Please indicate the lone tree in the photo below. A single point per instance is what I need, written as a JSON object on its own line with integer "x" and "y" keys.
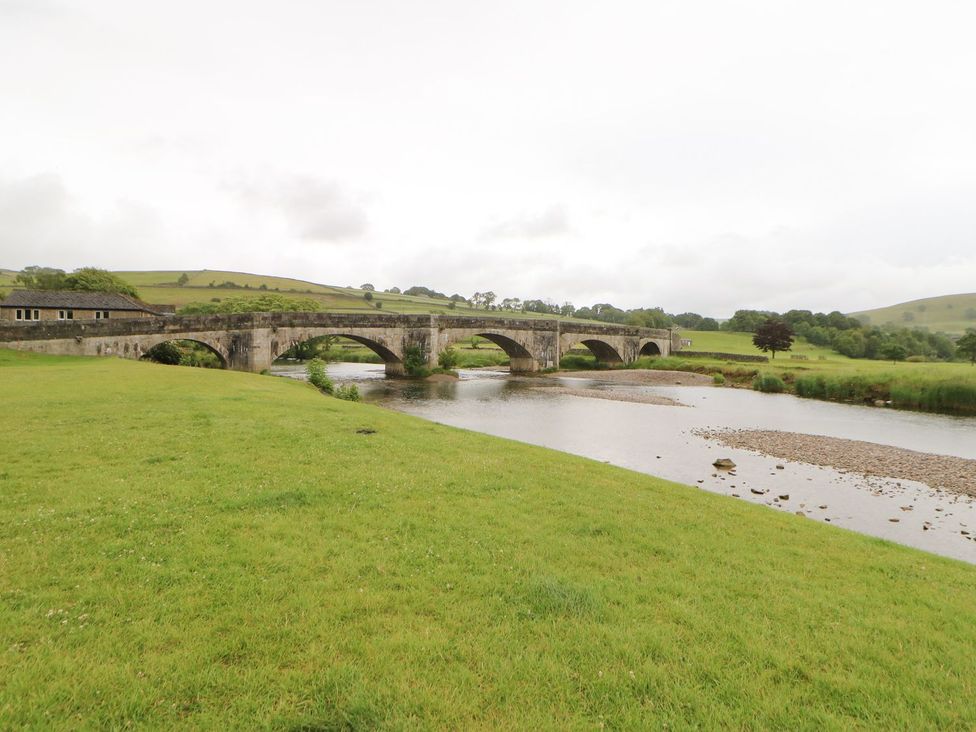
{"x": 894, "y": 352}
{"x": 773, "y": 335}
{"x": 966, "y": 346}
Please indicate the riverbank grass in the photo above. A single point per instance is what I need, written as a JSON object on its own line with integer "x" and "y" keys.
{"x": 193, "y": 548}
{"x": 934, "y": 386}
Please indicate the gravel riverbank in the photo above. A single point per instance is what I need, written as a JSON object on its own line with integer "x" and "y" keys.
{"x": 954, "y": 474}
{"x": 641, "y": 377}
{"x": 614, "y": 396}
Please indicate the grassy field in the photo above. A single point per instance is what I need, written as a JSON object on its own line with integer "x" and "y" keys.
{"x": 724, "y": 342}
{"x": 824, "y": 374}
{"x": 949, "y": 313}
{"x": 208, "y": 549}
{"x": 817, "y": 357}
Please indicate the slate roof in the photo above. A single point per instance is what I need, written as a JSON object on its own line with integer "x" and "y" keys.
{"x": 75, "y": 299}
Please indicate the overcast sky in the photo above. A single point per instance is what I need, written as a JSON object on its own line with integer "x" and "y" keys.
{"x": 696, "y": 155}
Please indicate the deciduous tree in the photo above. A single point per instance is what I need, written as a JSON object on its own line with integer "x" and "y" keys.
{"x": 966, "y": 346}
{"x": 773, "y": 335}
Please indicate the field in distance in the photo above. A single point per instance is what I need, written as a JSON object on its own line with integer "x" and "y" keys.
{"x": 951, "y": 314}
{"x": 204, "y": 285}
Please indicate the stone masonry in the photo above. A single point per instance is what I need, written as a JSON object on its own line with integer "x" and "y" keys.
{"x": 252, "y": 341}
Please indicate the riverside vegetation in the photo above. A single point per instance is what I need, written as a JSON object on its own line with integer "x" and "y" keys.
{"x": 816, "y": 372}
{"x": 214, "y": 549}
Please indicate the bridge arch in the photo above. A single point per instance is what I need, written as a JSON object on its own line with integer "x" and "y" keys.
{"x": 604, "y": 352}
{"x": 136, "y": 347}
{"x": 520, "y": 358}
{"x": 145, "y": 345}
{"x": 285, "y": 339}
{"x": 650, "y": 348}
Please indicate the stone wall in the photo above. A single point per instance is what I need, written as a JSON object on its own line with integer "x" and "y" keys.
{"x": 724, "y": 356}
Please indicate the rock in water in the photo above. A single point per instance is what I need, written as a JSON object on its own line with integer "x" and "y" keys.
{"x": 724, "y": 464}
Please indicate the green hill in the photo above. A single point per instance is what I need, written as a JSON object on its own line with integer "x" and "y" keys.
{"x": 205, "y": 285}
{"x": 951, "y": 314}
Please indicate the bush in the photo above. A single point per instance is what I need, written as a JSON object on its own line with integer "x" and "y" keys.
{"x": 940, "y": 396}
{"x": 843, "y": 387}
{"x": 349, "y": 392}
{"x": 184, "y": 353}
{"x": 448, "y": 359}
{"x": 768, "y": 383}
{"x": 315, "y": 369}
{"x": 268, "y": 303}
{"x": 573, "y": 361}
{"x": 167, "y": 353}
{"x": 414, "y": 363}
{"x": 810, "y": 386}
{"x": 718, "y": 379}
{"x": 483, "y": 357}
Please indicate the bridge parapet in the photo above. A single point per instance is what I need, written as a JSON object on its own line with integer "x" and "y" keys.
{"x": 251, "y": 341}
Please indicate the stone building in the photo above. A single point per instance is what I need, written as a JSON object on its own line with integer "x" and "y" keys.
{"x": 28, "y": 306}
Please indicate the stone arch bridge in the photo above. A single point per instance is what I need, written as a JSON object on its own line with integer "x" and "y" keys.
{"x": 252, "y": 341}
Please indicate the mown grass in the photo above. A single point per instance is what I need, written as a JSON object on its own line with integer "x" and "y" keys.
{"x": 189, "y": 548}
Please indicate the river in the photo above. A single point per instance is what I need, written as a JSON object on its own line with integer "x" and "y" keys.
{"x": 660, "y": 440}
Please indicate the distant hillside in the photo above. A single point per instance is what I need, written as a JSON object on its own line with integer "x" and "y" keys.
{"x": 206, "y": 285}
{"x": 950, "y": 314}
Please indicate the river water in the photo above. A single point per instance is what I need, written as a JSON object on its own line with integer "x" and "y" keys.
{"x": 660, "y": 440}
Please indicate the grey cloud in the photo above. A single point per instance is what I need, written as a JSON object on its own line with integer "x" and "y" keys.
{"x": 41, "y": 223}
{"x": 551, "y": 222}
{"x": 316, "y": 210}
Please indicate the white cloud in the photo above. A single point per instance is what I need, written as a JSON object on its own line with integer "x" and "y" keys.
{"x": 41, "y": 223}
{"x": 316, "y": 210}
{"x": 551, "y": 222}
{"x": 772, "y": 154}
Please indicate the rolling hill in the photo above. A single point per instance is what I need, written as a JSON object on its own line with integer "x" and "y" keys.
{"x": 205, "y": 285}
{"x": 951, "y": 314}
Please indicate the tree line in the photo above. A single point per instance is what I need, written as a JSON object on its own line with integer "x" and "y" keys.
{"x": 849, "y": 336}
{"x": 90, "y": 279}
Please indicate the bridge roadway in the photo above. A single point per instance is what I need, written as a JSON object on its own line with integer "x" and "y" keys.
{"x": 252, "y": 341}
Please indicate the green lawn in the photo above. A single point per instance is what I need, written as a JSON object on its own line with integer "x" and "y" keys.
{"x": 208, "y": 549}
